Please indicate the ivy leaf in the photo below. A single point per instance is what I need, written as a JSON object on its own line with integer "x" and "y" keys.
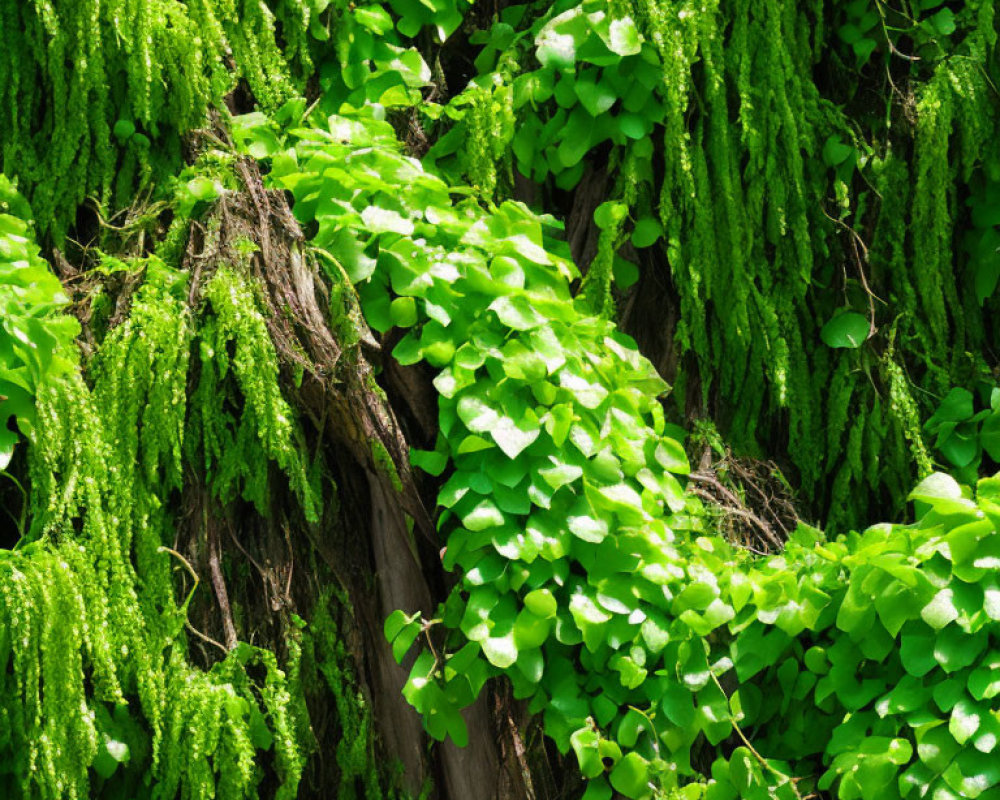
{"x": 989, "y": 435}
{"x": 972, "y": 773}
{"x": 384, "y": 220}
{"x": 623, "y": 37}
{"x": 646, "y": 232}
{"x": 596, "y": 96}
{"x": 631, "y": 776}
{"x": 585, "y": 744}
{"x": 944, "y": 22}
{"x": 624, "y": 272}
{"x": 517, "y": 313}
{"x": 609, "y": 213}
{"x": 109, "y": 756}
{"x": 940, "y": 611}
{"x": 512, "y": 437}
{"x": 484, "y": 515}
{"x": 848, "y": 330}
{"x": 557, "y": 42}
{"x": 587, "y": 528}
{"x": 965, "y": 719}
{"x": 501, "y": 651}
{"x": 956, "y": 407}
{"x": 835, "y": 152}
{"x": 403, "y": 312}
{"x": 597, "y": 789}
{"x": 476, "y": 414}
{"x": 541, "y": 603}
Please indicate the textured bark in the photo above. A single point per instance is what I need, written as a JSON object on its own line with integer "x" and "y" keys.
{"x": 351, "y": 419}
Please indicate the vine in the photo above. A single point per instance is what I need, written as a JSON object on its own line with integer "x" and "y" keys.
{"x": 585, "y": 576}
{"x": 751, "y": 154}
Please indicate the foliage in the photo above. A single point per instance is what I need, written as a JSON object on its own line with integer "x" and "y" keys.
{"x": 811, "y": 243}
{"x": 775, "y": 206}
{"x": 35, "y": 340}
{"x": 236, "y": 452}
{"x": 584, "y": 575}
{"x": 964, "y": 435}
{"x": 96, "y": 94}
{"x": 97, "y": 693}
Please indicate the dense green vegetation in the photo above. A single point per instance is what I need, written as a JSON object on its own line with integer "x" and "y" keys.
{"x": 325, "y": 265}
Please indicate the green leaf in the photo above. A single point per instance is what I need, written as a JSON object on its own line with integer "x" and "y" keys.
{"x": 484, "y": 515}
{"x": 624, "y": 272}
{"x": 513, "y": 438}
{"x": 935, "y": 487}
{"x": 476, "y": 414}
{"x": 631, "y": 776}
{"x": 404, "y": 641}
{"x": 610, "y": 213}
{"x": 202, "y": 189}
{"x": 647, "y": 232}
{"x": 944, "y": 22}
{"x": 517, "y": 312}
{"x": 956, "y": 407}
{"x": 530, "y": 631}
{"x": 395, "y": 623}
{"x": 972, "y": 773}
{"x": 585, "y": 744}
{"x": 836, "y": 152}
{"x": 541, "y": 602}
{"x": 384, "y": 220}
{"x": 623, "y": 37}
{"x": 632, "y": 125}
{"x": 501, "y": 651}
{"x": 596, "y": 96}
{"x": 403, "y": 311}
{"x": 848, "y": 330}
{"x": 916, "y": 651}
{"x": 587, "y": 528}
{"x": 554, "y": 48}
{"x": 597, "y": 789}
{"x": 941, "y": 610}
{"x": 110, "y": 754}
{"x": 374, "y": 18}
{"x": 965, "y": 720}
{"x": 124, "y": 128}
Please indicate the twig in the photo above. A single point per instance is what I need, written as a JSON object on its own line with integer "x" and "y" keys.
{"x": 219, "y": 582}
{"x": 736, "y": 506}
{"x": 888, "y": 40}
{"x": 194, "y": 576}
{"x": 856, "y": 241}
{"x": 763, "y": 761}
{"x": 24, "y": 502}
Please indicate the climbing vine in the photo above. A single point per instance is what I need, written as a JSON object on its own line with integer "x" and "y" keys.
{"x": 777, "y": 206}
{"x": 833, "y": 266}
{"x": 585, "y": 575}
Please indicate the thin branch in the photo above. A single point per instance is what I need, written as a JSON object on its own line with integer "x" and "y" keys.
{"x": 194, "y": 576}
{"x": 763, "y": 761}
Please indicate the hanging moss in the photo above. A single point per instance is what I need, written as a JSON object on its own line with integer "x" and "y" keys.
{"x": 97, "y": 693}
{"x": 234, "y": 445}
{"x": 97, "y": 92}
{"x": 327, "y": 660}
{"x": 783, "y": 200}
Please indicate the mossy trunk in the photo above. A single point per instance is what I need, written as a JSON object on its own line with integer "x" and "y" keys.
{"x": 373, "y": 549}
